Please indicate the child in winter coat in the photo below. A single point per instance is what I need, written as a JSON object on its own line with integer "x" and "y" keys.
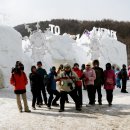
{"x": 19, "y": 81}
{"x": 109, "y": 83}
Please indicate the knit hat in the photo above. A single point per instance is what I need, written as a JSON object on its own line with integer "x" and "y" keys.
{"x": 88, "y": 64}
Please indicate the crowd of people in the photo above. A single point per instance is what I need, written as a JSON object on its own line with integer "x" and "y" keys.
{"x": 67, "y": 80}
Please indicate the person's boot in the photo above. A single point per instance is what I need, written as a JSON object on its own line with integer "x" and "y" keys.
{"x": 110, "y": 104}
{"x": 28, "y": 111}
{"x": 67, "y": 101}
{"x": 33, "y": 107}
{"x": 49, "y": 107}
{"x": 124, "y": 91}
{"x": 100, "y": 103}
{"x": 61, "y": 110}
{"x": 55, "y": 104}
{"x": 78, "y": 108}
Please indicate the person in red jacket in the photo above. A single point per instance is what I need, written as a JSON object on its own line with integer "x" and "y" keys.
{"x": 79, "y": 82}
{"x": 109, "y": 83}
{"x": 19, "y": 81}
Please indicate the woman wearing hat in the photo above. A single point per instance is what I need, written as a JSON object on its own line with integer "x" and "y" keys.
{"x": 19, "y": 81}
{"x": 90, "y": 76}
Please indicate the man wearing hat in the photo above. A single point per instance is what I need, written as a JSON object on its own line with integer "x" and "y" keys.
{"x": 68, "y": 79}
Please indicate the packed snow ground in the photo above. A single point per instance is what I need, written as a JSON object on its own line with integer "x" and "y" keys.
{"x": 95, "y": 117}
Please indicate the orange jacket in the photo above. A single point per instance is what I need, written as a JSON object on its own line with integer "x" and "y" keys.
{"x": 19, "y": 81}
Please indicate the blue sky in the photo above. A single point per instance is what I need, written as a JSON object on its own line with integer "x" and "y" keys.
{"x": 14, "y": 12}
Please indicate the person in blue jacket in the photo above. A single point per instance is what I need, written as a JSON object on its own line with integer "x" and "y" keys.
{"x": 118, "y": 79}
{"x": 51, "y": 88}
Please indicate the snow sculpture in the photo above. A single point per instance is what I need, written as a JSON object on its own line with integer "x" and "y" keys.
{"x": 38, "y": 45}
{"x": 102, "y": 44}
{"x": 28, "y": 29}
{"x": 94, "y": 48}
{"x": 10, "y": 51}
{"x": 37, "y": 26}
{"x": 1, "y": 79}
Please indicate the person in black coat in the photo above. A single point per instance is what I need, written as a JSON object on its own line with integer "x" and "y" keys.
{"x": 98, "y": 82}
{"x": 42, "y": 72}
{"x": 35, "y": 82}
{"x": 124, "y": 77}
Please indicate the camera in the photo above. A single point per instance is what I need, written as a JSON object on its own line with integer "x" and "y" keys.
{"x": 71, "y": 86}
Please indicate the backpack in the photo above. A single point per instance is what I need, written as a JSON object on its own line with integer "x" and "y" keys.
{"x": 109, "y": 81}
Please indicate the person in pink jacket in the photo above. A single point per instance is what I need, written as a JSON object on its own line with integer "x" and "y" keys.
{"x": 90, "y": 76}
{"x": 109, "y": 83}
{"x": 129, "y": 71}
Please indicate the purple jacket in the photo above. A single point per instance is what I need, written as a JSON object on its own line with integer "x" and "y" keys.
{"x": 109, "y": 79}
